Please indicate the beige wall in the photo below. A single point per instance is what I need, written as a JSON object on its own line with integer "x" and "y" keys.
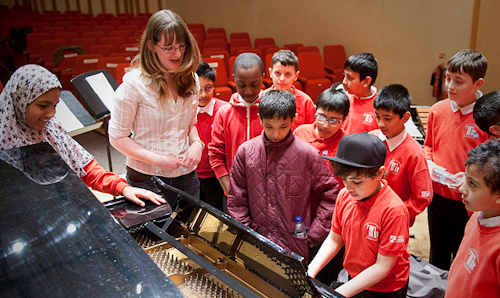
{"x": 405, "y": 36}
{"x": 488, "y": 42}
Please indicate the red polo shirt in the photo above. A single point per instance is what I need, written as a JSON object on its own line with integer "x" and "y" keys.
{"x": 406, "y": 172}
{"x": 378, "y": 225}
{"x": 475, "y": 271}
{"x": 326, "y": 147}
{"x": 361, "y": 117}
{"x": 451, "y": 134}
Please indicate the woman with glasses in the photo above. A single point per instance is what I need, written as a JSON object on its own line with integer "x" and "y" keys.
{"x": 154, "y": 112}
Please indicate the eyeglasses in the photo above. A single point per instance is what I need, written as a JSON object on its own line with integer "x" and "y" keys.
{"x": 324, "y": 119}
{"x": 171, "y": 48}
{"x": 207, "y": 89}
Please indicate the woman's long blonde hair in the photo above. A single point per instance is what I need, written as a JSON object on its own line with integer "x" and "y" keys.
{"x": 168, "y": 24}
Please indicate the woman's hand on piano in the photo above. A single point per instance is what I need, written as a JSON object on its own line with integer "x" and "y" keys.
{"x": 134, "y": 194}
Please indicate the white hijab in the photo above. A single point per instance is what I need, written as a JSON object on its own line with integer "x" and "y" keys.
{"x": 25, "y": 85}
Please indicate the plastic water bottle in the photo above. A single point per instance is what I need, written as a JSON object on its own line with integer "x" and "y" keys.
{"x": 300, "y": 228}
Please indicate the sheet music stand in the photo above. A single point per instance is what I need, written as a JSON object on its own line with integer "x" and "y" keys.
{"x": 74, "y": 118}
{"x": 93, "y": 89}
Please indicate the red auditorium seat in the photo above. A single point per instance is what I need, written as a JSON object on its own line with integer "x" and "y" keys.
{"x": 307, "y": 49}
{"x": 264, "y": 43}
{"x": 293, "y": 47}
{"x": 334, "y": 61}
{"x": 239, "y": 35}
{"x": 312, "y": 73}
{"x": 215, "y": 53}
{"x": 216, "y": 44}
{"x": 216, "y": 33}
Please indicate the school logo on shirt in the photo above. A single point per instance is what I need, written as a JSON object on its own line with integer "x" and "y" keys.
{"x": 373, "y": 231}
{"x": 368, "y": 118}
{"x": 470, "y": 132}
{"x": 324, "y": 152}
{"x": 394, "y": 167}
{"x": 472, "y": 260}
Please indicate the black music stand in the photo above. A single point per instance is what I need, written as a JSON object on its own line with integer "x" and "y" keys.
{"x": 73, "y": 117}
{"x": 96, "y": 89}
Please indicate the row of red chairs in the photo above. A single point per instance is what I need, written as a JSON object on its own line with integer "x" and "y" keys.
{"x": 314, "y": 76}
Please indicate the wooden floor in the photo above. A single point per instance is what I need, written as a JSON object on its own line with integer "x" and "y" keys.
{"x": 419, "y": 245}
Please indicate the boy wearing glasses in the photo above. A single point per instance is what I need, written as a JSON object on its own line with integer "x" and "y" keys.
{"x": 210, "y": 189}
{"x": 406, "y": 169}
{"x": 284, "y": 72}
{"x": 332, "y": 106}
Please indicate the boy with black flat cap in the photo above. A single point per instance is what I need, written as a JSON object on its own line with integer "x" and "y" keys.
{"x": 370, "y": 220}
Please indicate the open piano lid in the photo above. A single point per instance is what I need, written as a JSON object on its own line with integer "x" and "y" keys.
{"x": 236, "y": 244}
{"x": 57, "y": 240}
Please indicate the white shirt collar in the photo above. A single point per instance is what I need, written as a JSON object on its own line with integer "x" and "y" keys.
{"x": 393, "y": 142}
{"x": 373, "y": 90}
{"x": 209, "y": 108}
{"x": 488, "y": 222}
{"x": 468, "y": 108}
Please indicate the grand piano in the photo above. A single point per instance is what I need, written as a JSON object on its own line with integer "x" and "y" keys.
{"x": 57, "y": 240}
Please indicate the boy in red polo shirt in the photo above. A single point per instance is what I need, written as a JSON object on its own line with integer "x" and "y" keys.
{"x": 284, "y": 71}
{"x": 210, "y": 189}
{"x": 360, "y": 73}
{"x": 487, "y": 113}
{"x": 451, "y": 133}
{"x": 475, "y": 271}
{"x": 406, "y": 169}
{"x": 370, "y": 220}
{"x": 237, "y": 122}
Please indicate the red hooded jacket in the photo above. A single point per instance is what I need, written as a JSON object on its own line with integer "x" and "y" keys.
{"x": 233, "y": 125}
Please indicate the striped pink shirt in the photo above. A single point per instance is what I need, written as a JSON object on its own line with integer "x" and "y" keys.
{"x": 161, "y": 127}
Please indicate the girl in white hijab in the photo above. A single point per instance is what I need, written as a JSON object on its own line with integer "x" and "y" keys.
{"x": 27, "y": 108}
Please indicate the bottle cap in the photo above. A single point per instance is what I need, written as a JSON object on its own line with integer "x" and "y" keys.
{"x": 298, "y": 218}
